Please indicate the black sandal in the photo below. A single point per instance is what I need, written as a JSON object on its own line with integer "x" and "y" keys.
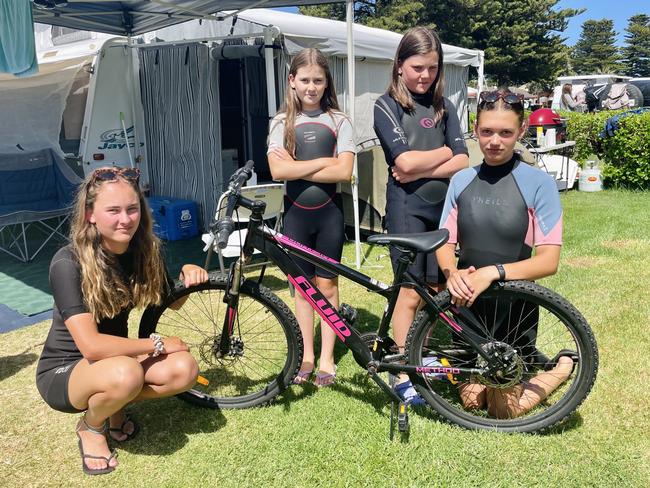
{"x": 120, "y": 429}
{"x": 84, "y": 456}
{"x": 551, "y": 363}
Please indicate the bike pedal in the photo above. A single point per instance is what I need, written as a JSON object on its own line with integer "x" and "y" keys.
{"x": 348, "y": 312}
{"x": 402, "y": 417}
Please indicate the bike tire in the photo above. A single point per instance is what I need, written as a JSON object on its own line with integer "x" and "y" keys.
{"x": 559, "y": 326}
{"x": 269, "y": 343}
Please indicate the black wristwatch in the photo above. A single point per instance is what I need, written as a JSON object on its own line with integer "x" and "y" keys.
{"x": 502, "y": 272}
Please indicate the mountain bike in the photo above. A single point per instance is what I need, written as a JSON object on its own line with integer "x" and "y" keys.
{"x": 249, "y": 347}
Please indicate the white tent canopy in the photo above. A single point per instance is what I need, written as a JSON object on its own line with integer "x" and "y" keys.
{"x": 374, "y": 50}
{"x": 301, "y": 31}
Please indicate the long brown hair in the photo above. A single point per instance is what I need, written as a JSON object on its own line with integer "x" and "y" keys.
{"x": 104, "y": 289}
{"x": 292, "y": 105}
{"x": 418, "y": 41}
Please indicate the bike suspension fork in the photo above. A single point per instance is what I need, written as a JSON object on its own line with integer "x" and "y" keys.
{"x": 231, "y": 299}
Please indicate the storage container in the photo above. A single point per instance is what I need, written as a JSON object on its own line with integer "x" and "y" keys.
{"x": 174, "y": 218}
{"x": 590, "y": 179}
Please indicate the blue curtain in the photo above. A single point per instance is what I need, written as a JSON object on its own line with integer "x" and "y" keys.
{"x": 17, "y": 46}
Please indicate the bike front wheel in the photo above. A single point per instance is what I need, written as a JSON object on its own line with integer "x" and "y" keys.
{"x": 531, "y": 328}
{"x": 265, "y": 347}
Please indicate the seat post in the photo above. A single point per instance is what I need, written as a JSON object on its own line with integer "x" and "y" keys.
{"x": 405, "y": 258}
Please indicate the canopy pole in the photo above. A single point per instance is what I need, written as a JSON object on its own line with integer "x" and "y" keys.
{"x": 481, "y": 74}
{"x": 134, "y": 83}
{"x": 349, "y": 19}
{"x": 270, "y": 33}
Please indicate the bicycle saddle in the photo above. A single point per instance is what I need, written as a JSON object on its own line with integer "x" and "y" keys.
{"x": 420, "y": 242}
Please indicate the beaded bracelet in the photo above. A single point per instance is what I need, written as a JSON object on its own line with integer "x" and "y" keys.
{"x": 158, "y": 346}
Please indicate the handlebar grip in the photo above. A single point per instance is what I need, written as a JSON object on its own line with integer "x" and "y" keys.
{"x": 224, "y": 228}
{"x": 242, "y": 175}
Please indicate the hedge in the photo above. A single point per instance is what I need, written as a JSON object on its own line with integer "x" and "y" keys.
{"x": 626, "y": 154}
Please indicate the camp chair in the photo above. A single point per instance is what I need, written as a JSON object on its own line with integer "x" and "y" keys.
{"x": 36, "y": 192}
{"x": 272, "y": 194}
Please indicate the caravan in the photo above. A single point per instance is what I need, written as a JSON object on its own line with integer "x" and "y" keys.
{"x": 191, "y": 102}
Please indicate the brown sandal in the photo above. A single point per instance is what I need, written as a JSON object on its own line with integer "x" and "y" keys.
{"x": 84, "y": 456}
{"x": 120, "y": 430}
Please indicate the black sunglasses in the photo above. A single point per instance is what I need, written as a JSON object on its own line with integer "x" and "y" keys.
{"x": 111, "y": 174}
{"x": 509, "y": 98}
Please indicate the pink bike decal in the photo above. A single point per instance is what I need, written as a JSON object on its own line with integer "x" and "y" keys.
{"x": 321, "y": 305}
{"x": 287, "y": 241}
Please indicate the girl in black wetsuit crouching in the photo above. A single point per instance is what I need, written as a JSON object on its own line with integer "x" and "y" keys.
{"x": 311, "y": 147}
{"x": 421, "y": 137}
{"x": 496, "y": 214}
{"x": 88, "y": 363}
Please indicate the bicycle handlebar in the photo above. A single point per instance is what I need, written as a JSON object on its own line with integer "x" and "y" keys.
{"x": 225, "y": 226}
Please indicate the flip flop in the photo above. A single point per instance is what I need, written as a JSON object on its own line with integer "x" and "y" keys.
{"x": 302, "y": 377}
{"x": 323, "y": 380}
{"x": 84, "y": 456}
{"x": 563, "y": 352}
{"x": 120, "y": 429}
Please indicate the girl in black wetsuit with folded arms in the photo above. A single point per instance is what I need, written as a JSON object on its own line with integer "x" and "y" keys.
{"x": 88, "y": 363}
{"x": 420, "y": 133}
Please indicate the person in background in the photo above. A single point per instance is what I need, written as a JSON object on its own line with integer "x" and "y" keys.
{"x": 423, "y": 143}
{"x": 311, "y": 147}
{"x": 567, "y": 102}
{"x": 88, "y": 364}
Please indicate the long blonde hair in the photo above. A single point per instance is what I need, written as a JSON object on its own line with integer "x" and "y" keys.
{"x": 418, "y": 41}
{"x": 105, "y": 292}
{"x": 292, "y": 105}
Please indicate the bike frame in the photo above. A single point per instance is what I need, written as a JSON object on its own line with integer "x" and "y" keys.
{"x": 279, "y": 248}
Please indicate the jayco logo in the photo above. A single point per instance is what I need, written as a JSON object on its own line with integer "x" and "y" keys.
{"x": 427, "y": 123}
{"x": 115, "y": 139}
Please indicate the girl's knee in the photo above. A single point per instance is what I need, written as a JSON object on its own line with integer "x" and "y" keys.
{"x": 182, "y": 370}
{"x": 125, "y": 376}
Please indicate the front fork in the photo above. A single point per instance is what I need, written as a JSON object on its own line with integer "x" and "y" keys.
{"x": 231, "y": 299}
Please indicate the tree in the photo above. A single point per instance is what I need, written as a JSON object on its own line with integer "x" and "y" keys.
{"x": 393, "y": 15}
{"x": 636, "y": 52}
{"x": 521, "y": 38}
{"x": 595, "y": 51}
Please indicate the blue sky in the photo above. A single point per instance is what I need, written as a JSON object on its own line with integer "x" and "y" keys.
{"x": 617, "y": 10}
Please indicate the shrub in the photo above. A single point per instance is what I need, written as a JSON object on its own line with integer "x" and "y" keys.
{"x": 627, "y": 153}
{"x": 585, "y": 129}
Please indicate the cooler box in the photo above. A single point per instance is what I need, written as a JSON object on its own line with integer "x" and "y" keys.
{"x": 174, "y": 219}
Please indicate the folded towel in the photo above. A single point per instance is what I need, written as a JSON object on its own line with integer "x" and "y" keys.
{"x": 17, "y": 45}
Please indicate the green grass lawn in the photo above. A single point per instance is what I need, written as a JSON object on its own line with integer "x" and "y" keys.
{"x": 339, "y": 436}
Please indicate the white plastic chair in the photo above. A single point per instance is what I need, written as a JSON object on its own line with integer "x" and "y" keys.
{"x": 272, "y": 194}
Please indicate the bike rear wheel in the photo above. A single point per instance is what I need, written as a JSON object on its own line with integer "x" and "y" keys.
{"x": 531, "y": 325}
{"x": 265, "y": 347}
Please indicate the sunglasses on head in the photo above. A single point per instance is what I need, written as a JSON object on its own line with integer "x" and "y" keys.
{"x": 111, "y": 174}
{"x": 509, "y": 98}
